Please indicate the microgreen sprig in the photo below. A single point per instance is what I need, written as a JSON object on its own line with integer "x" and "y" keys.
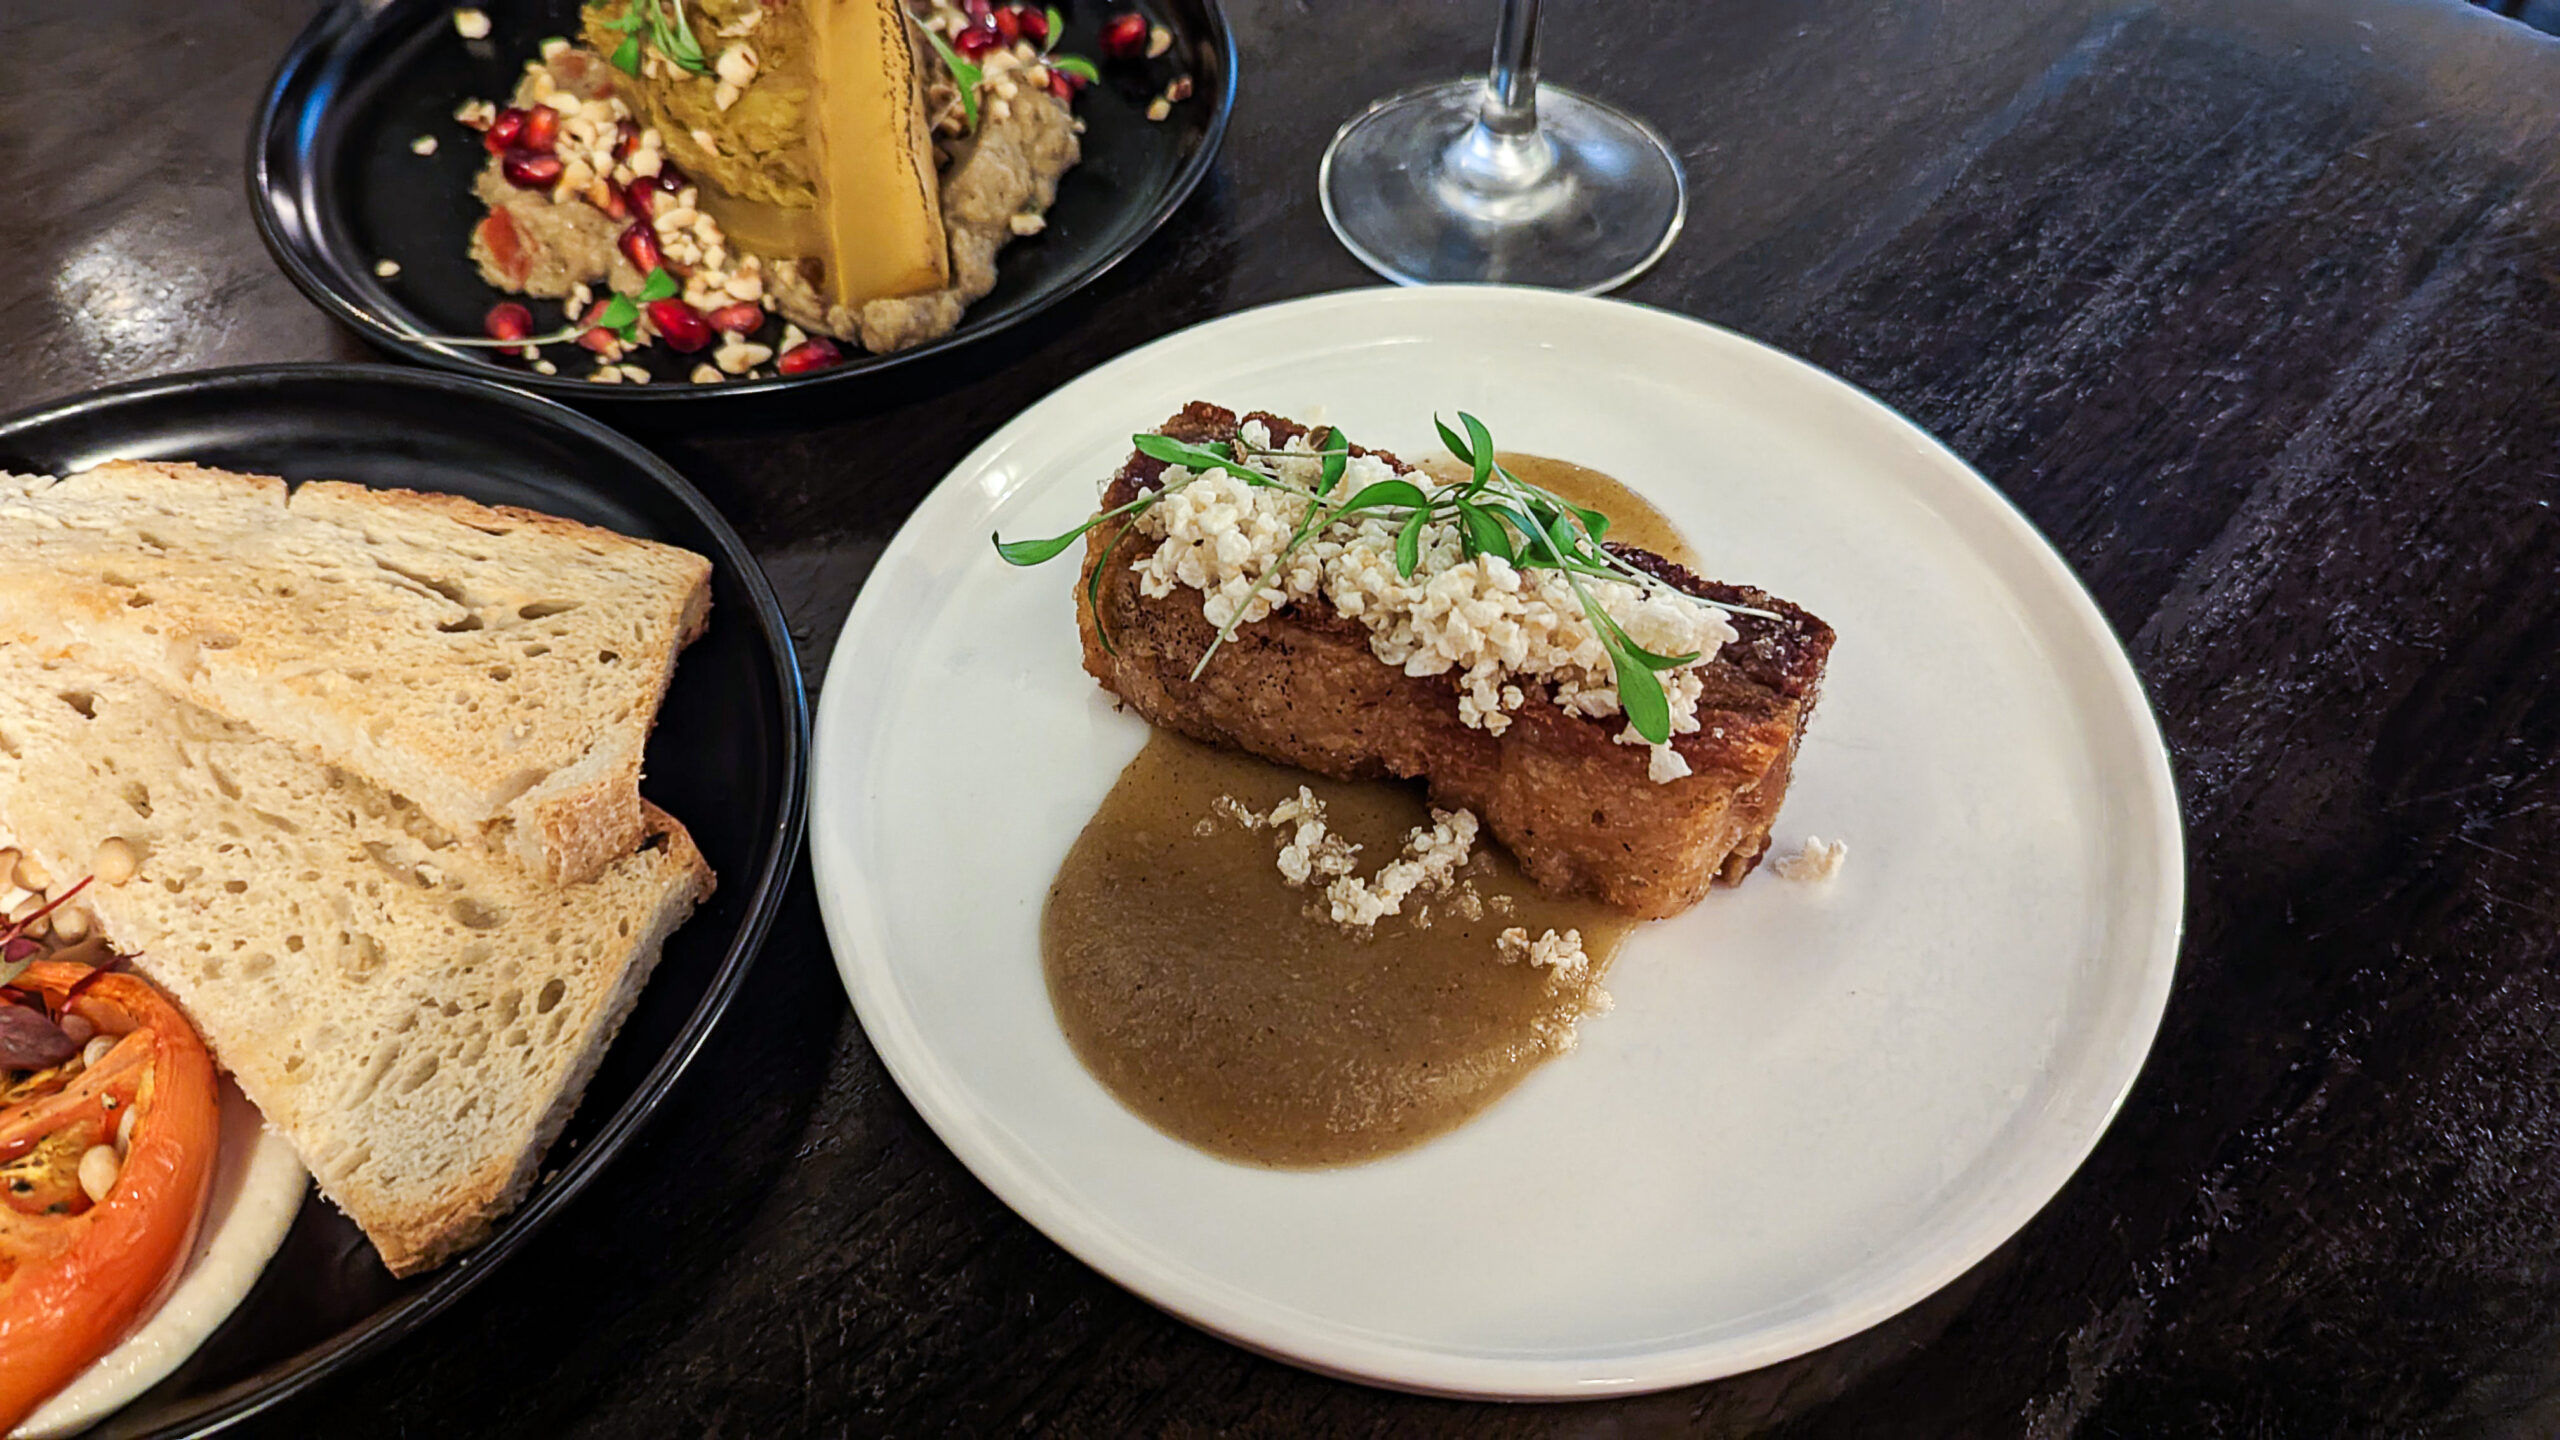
{"x": 650, "y": 21}
{"x": 965, "y": 77}
{"x": 1495, "y": 511}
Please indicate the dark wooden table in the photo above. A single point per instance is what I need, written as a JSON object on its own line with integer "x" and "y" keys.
{"x": 2252, "y": 305}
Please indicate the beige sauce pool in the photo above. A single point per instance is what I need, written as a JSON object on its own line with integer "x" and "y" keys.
{"x": 1228, "y": 1010}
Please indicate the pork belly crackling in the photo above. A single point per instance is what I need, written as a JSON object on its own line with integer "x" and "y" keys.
{"x": 1549, "y": 764}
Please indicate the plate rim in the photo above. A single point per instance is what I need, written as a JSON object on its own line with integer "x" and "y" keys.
{"x": 771, "y": 884}
{"x": 1442, "y": 1373}
{"x": 334, "y": 24}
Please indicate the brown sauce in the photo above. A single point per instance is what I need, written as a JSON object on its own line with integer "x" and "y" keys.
{"x": 1226, "y": 1008}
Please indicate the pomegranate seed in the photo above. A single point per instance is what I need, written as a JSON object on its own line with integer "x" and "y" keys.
{"x": 974, "y": 43}
{"x": 742, "y": 318}
{"x": 808, "y": 355}
{"x": 978, "y": 10}
{"x": 640, "y": 246}
{"x": 1059, "y": 86}
{"x": 1125, "y": 38}
{"x": 645, "y": 193}
{"x": 1008, "y": 24}
{"x": 527, "y": 170}
{"x": 1035, "y": 25}
{"x": 501, "y": 135}
{"x": 617, "y": 202}
{"x": 626, "y": 138}
{"x": 508, "y": 320}
{"x": 541, "y": 129}
{"x": 680, "y": 325}
{"x": 597, "y": 338}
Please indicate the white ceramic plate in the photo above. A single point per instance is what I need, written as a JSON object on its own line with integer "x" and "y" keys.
{"x": 257, "y": 1190}
{"x": 1813, "y": 1105}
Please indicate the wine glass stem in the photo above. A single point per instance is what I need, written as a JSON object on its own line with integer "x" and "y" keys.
{"x": 1503, "y": 157}
{"x": 1511, "y": 88}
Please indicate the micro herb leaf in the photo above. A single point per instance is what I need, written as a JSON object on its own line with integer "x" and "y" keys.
{"x": 1033, "y": 552}
{"x": 1484, "y": 533}
{"x": 1075, "y": 65}
{"x": 1057, "y": 30}
{"x": 1639, "y": 693}
{"x": 626, "y": 56}
{"x": 1480, "y": 441}
{"x": 1409, "y": 543}
{"x": 1337, "y": 459}
{"x": 620, "y": 313}
{"x": 1450, "y": 438}
{"x": 1594, "y": 522}
{"x": 1197, "y": 457}
{"x": 1383, "y": 492}
{"x": 965, "y": 77}
{"x": 659, "y": 286}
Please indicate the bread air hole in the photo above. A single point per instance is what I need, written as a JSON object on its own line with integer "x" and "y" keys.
{"x": 425, "y": 582}
{"x": 549, "y": 997}
{"x": 137, "y": 797}
{"x": 477, "y": 916}
{"x": 462, "y": 626}
{"x": 545, "y": 609}
{"x": 81, "y": 701}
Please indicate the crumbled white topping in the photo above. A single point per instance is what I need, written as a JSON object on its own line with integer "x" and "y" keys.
{"x": 1503, "y": 631}
{"x": 471, "y": 24}
{"x": 1433, "y": 855}
{"x": 1562, "y": 954}
{"x": 1817, "y": 859}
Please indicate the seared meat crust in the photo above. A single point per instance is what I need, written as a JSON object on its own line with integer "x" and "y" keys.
{"x": 1575, "y": 808}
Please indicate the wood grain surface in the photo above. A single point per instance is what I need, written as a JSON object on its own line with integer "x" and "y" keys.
{"x": 2250, "y": 305}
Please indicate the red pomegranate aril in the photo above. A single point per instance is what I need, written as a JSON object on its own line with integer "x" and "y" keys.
{"x": 978, "y": 11}
{"x": 1008, "y": 24}
{"x": 527, "y": 170}
{"x": 1125, "y": 37}
{"x": 680, "y": 325}
{"x": 743, "y": 318}
{"x": 974, "y": 43}
{"x": 639, "y": 245}
{"x": 596, "y": 337}
{"x": 1059, "y": 85}
{"x": 541, "y": 129}
{"x": 808, "y": 355}
{"x": 626, "y": 138}
{"x": 502, "y": 133}
{"x": 508, "y": 320}
{"x": 617, "y": 202}
{"x": 1035, "y": 24}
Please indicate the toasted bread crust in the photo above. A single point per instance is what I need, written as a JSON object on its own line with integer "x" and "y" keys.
{"x": 1575, "y": 808}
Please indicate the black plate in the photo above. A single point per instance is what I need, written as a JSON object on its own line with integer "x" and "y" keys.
{"x": 727, "y": 759}
{"x": 336, "y": 188}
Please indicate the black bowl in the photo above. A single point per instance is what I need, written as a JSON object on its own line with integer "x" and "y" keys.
{"x": 336, "y": 188}
{"x": 728, "y": 759}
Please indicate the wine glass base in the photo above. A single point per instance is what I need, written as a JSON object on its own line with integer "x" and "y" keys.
{"x": 1421, "y": 196}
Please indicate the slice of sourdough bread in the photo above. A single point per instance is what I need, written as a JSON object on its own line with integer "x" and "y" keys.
{"x": 498, "y": 667}
{"x": 417, "y": 1017}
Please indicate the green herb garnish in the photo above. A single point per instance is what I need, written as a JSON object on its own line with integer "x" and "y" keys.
{"x": 1496, "y": 512}
{"x": 662, "y": 24}
{"x": 964, "y": 76}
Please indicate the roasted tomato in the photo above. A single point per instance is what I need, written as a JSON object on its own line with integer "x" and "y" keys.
{"x": 84, "y": 1257}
